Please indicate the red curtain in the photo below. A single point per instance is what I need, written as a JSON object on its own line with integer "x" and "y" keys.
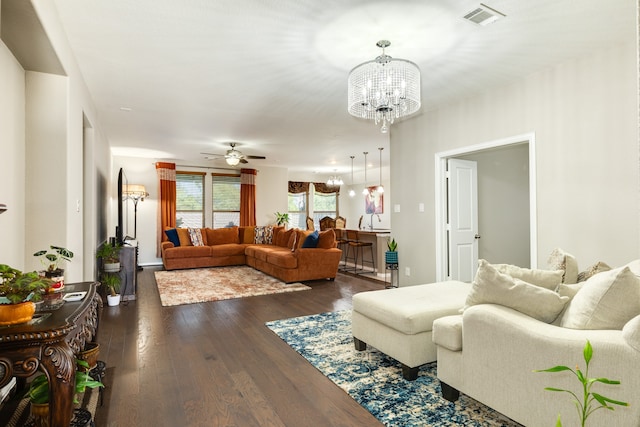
{"x": 167, "y": 206}
{"x": 247, "y": 197}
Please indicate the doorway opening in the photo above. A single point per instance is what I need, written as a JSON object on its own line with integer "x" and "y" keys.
{"x": 518, "y": 210}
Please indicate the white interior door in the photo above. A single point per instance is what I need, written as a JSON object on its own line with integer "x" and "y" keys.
{"x": 462, "y": 206}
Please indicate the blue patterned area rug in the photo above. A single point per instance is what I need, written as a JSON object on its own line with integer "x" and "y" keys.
{"x": 375, "y": 380}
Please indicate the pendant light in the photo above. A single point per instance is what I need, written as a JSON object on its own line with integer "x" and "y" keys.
{"x": 380, "y": 188}
{"x": 351, "y": 192}
{"x": 365, "y": 191}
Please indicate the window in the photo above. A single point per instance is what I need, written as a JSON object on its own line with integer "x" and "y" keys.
{"x": 226, "y": 200}
{"x": 298, "y": 211}
{"x": 189, "y": 199}
{"x": 324, "y": 204}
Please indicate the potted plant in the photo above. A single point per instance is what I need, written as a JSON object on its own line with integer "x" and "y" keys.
{"x": 110, "y": 255}
{"x": 38, "y": 392}
{"x": 112, "y": 282}
{"x": 52, "y": 258}
{"x": 282, "y": 218}
{"x": 391, "y": 256}
{"x": 18, "y": 292}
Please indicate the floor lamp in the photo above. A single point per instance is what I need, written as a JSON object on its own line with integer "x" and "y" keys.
{"x": 137, "y": 193}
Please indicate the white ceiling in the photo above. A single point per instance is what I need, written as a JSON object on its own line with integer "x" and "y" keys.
{"x": 271, "y": 74}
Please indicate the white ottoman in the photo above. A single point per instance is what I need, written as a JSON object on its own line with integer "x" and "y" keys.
{"x": 399, "y": 321}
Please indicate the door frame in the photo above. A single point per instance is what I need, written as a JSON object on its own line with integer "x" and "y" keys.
{"x": 441, "y": 195}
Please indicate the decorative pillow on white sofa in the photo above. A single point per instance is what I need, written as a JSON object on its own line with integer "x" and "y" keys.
{"x": 631, "y": 332}
{"x": 549, "y": 279}
{"x": 607, "y": 300}
{"x": 596, "y": 268}
{"x": 561, "y": 260}
{"x": 492, "y": 287}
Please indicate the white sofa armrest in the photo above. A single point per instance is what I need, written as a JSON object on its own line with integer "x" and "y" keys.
{"x": 502, "y": 348}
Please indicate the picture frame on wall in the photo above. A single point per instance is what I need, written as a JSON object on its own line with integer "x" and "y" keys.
{"x": 374, "y": 201}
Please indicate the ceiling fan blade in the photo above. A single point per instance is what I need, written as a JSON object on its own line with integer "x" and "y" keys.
{"x": 243, "y": 161}
{"x": 212, "y": 154}
{"x": 256, "y": 157}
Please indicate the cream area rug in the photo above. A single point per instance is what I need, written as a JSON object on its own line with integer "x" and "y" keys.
{"x": 179, "y": 287}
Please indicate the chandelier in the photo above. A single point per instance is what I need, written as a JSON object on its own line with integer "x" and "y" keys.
{"x": 335, "y": 180}
{"x": 384, "y": 89}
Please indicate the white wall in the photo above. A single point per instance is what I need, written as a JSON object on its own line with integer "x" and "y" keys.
{"x": 12, "y": 151}
{"x": 585, "y": 116}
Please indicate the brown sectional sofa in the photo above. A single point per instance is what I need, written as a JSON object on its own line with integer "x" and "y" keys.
{"x": 283, "y": 257}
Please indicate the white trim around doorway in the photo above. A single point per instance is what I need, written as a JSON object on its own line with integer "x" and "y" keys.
{"x": 441, "y": 191}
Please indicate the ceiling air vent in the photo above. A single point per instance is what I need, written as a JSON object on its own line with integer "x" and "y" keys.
{"x": 484, "y": 15}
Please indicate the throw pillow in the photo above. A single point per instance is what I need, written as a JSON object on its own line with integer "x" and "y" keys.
{"x": 631, "y": 332}
{"x": 183, "y": 235}
{"x": 327, "y": 239}
{"x": 492, "y": 287}
{"x": 172, "y": 235}
{"x": 222, "y": 236}
{"x": 196, "y": 236}
{"x": 293, "y": 240}
{"x": 247, "y": 234}
{"x": 312, "y": 240}
{"x": 606, "y": 301}
{"x": 282, "y": 238}
{"x": 548, "y": 279}
{"x": 569, "y": 290}
{"x": 596, "y": 268}
{"x": 561, "y": 260}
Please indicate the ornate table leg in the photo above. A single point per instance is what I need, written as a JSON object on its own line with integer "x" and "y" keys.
{"x": 59, "y": 364}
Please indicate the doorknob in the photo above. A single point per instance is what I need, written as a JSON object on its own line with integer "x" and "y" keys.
{"x": 477, "y": 236}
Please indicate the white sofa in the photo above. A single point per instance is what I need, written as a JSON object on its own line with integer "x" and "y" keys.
{"x": 490, "y": 353}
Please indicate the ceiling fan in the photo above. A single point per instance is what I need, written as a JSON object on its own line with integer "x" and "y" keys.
{"x": 232, "y": 156}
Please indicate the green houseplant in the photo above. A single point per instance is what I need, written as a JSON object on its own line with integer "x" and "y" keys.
{"x": 18, "y": 292}
{"x": 38, "y": 391}
{"x": 282, "y": 218}
{"x": 52, "y": 258}
{"x": 391, "y": 256}
{"x": 112, "y": 282}
{"x": 110, "y": 255}
{"x": 590, "y": 401}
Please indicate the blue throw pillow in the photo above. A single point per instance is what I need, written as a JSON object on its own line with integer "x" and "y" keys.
{"x": 312, "y": 240}
{"x": 172, "y": 235}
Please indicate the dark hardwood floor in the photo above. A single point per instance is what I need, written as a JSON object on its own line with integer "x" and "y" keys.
{"x": 217, "y": 364}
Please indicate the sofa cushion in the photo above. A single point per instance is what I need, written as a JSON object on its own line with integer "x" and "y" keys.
{"x": 548, "y": 279}
{"x": 568, "y": 290}
{"x": 631, "y": 332}
{"x": 327, "y": 239}
{"x": 247, "y": 234}
{"x": 172, "y": 235}
{"x": 222, "y": 236}
{"x": 492, "y": 287}
{"x": 607, "y": 300}
{"x": 195, "y": 235}
{"x": 282, "y": 239}
{"x": 311, "y": 241}
{"x": 187, "y": 252}
{"x": 227, "y": 249}
{"x": 183, "y": 236}
{"x": 282, "y": 258}
{"x": 260, "y": 251}
{"x": 596, "y": 268}
{"x": 561, "y": 260}
{"x": 447, "y": 332}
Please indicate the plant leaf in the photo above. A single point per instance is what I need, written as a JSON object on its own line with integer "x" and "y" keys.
{"x": 604, "y": 381}
{"x": 604, "y": 400}
{"x": 554, "y": 369}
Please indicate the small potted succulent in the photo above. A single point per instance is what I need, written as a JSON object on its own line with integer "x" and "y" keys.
{"x": 18, "y": 293}
{"x": 391, "y": 256}
{"x": 109, "y": 253}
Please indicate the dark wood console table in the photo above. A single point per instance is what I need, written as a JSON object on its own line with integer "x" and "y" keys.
{"x": 50, "y": 343}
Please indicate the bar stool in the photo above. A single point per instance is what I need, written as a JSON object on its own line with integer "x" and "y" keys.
{"x": 343, "y": 245}
{"x": 358, "y": 247}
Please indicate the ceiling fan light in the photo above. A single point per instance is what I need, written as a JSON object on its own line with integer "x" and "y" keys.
{"x": 233, "y": 161}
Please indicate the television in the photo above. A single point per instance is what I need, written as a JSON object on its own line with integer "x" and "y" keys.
{"x": 120, "y": 201}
